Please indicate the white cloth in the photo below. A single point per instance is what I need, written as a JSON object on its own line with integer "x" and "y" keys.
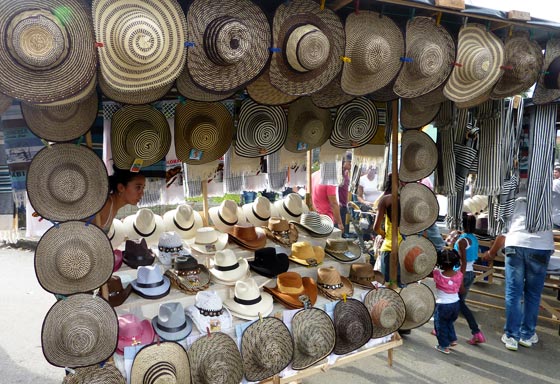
{"x": 518, "y": 236}
{"x": 556, "y": 185}
{"x": 371, "y": 193}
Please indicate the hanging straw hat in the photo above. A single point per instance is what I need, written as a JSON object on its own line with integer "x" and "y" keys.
{"x": 267, "y": 348}
{"x": 547, "y": 88}
{"x": 171, "y": 323}
{"x": 95, "y": 374}
{"x": 364, "y": 275}
{"x": 384, "y": 94}
{"x": 480, "y": 59}
{"x": 355, "y": 124}
{"x": 208, "y": 313}
{"x": 281, "y": 231}
{"x": 203, "y": 132}
{"x": 420, "y": 304}
{"x": 343, "y": 250}
{"x": 332, "y": 284}
{"x": 73, "y": 257}
{"x": 414, "y": 115}
{"x": 226, "y": 215}
{"x": 78, "y": 97}
{"x": 352, "y": 324}
{"x": 134, "y": 98}
{"x": 183, "y": 220}
{"x": 67, "y": 182}
{"x": 78, "y": 331}
{"x": 263, "y": 92}
{"x": 308, "y": 126}
{"x": 387, "y": 311}
{"x": 46, "y": 52}
{"x": 258, "y": 212}
{"x": 311, "y": 41}
{"x": 187, "y": 87}
{"x": 208, "y": 240}
{"x": 304, "y": 253}
{"x": 330, "y": 96}
{"x": 261, "y": 129}
{"x": 417, "y": 258}
{"x": 314, "y": 337}
{"x": 419, "y": 156}
{"x": 133, "y": 331}
{"x": 419, "y": 208}
{"x": 294, "y": 291}
{"x": 248, "y": 300}
{"x": 315, "y": 225}
{"x": 247, "y": 236}
{"x": 435, "y": 97}
{"x": 165, "y": 362}
{"x": 5, "y": 103}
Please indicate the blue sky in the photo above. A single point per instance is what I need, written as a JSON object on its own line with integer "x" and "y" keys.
{"x": 543, "y": 9}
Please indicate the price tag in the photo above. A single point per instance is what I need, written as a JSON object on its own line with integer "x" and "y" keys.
{"x": 136, "y": 165}
{"x": 195, "y": 154}
{"x": 301, "y": 146}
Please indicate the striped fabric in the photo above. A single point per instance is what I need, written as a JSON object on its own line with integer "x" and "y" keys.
{"x": 276, "y": 174}
{"x": 233, "y": 182}
{"x": 444, "y": 177}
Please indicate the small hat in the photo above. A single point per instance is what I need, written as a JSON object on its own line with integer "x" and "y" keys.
{"x": 163, "y": 362}
{"x": 416, "y": 115}
{"x": 291, "y": 207}
{"x": 117, "y": 294}
{"x": 267, "y": 348}
{"x": 332, "y": 284}
{"x": 258, "y": 212}
{"x": 248, "y": 300}
{"x": 139, "y": 132}
{"x": 208, "y": 240}
{"x": 170, "y": 246}
{"x": 294, "y": 291}
{"x": 95, "y": 374}
{"x": 67, "y": 182}
{"x": 314, "y": 337}
{"x": 117, "y": 233}
{"x": 144, "y": 224}
{"x": 355, "y": 124}
{"x": 364, "y": 275}
{"x": 343, "y": 250}
{"x": 228, "y": 267}
{"x": 547, "y": 88}
{"x": 247, "y": 236}
{"x": 308, "y": 126}
{"x": 136, "y": 253}
{"x": 352, "y": 324}
{"x": 305, "y": 254}
{"x": 420, "y": 304}
{"x": 417, "y": 258}
{"x": 315, "y": 224}
{"x": 261, "y": 129}
{"x": 133, "y": 331}
{"x": 183, "y": 220}
{"x": 265, "y": 93}
{"x": 419, "y": 208}
{"x": 215, "y": 359}
{"x": 189, "y": 89}
{"x": 171, "y": 323}
{"x": 226, "y": 215}
{"x": 419, "y": 156}
{"x": 330, "y": 96}
{"x": 188, "y": 275}
{"x": 281, "y": 231}
{"x": 150, "y": 282}
{"x": 78, "y": 331}
{"x": 269, "y": 263}
{"x": 208, "y": 313}
{"x": 387, "y": 311}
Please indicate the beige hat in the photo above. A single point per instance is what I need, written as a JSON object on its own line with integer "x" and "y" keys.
{"x": 308, "y": 126}
{"x": 144, "y": 224}
{"x": 545, "y": 94}
{"x": 187, "y": 87}
{"x": 343, "y": 250}
{"x": 332, "y": 284}
{"x": 215, "y": 359}
{"x": 331, "y": 96}
{"x": 258, "y": 212}
{"x": 162, "y": 362}
{"x": 306, "y": 254}
{"x": 263, "y": 92}
{"x": 419, "y": 156}
{"x": 419, "y": 208}
{"x": 387, "y": 311}
{"x": 208, "y": 240}
{"x": 417, "y": 258}
{"x": 420, "y": 304}
{"x": 415, "y": 115}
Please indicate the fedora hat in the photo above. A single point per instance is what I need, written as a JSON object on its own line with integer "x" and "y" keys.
{"x": 261, "y": 129}
{"x": 294, "y": 291}
{"x": 355, "y": 124}
{"x": 78, "y": 331}
{"x": 387, "y": 311}
{"x": 308, "y": 126}
{"x": 73, "y": 257}
{"x": 330, "y": 96}
{"x": 187, "y": 87}
{"x": 95, "y": 374}
{"x": 429, "y": 56}
{"x": 215, "y": 359}
{"x": 116, "y": 233}
{"x": 415, "y": 115}
{"x": 165, "y": 362}
{"x": 314, "y": 337}
{"x": 171, "y": 323}
{"x": 139, "y": 132}
{"x": 5, "y": 103}
{"x": 315, "y": 224}
{"x": 420, "y": 304}
{"x": 343, "y": 250}
{"x": 291, "y": 207}
{"x": 137, "y": 253}
{"x": 269, "y": 263}
{"x": 258, "y": 212}
{"x": 208, "y": 313}
{"x": 183, "y": 220}
{"x": 419, "y": 156}
{"x": 248, "y": 301}
{"x": 267, "y": 348}
{"x": 364, "y": 275}
{"x": 419, "y": 208}
{"x": 332, "y": 284}
{"x": 281, "y": 231}
{"x": 311, "y": 41}
{"x": 304, "y": 253}
{"x": 375, "y": 45}
{"x": 144, "y": 224}
{"x": 150, "y": 282}
{"x": 226, "y": 215}
{"x": 208, "y": 240}
{"x": 117, "y": 293}
{"x": 247, "y": 236}
{"x": 170, "y": 246}
{"x": 203, "y": 131}
{"x": 231, "y": 43}
{"x": 352, "y": 324}
{"x": 417, "y": 258}
{"x": 263, "y": 92}
{"x": 133, "y": 331}
{"x": 188, "y": 275}
{"x": 479, "y": 63}
{"x": 228, "y": 267}
{"x": 45, "y": 55}
{"x": 547, "y": 88}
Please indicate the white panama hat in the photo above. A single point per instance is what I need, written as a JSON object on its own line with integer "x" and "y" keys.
{"x": 208, "y": 240}
{"x": 144, "y": 224}
{"x": 258, "y": 212}
{"x": 183, "y": 220}
{"x": 226, "y": 215}
{"x": 228, "y": 267}
{"x": 248, "y": 301}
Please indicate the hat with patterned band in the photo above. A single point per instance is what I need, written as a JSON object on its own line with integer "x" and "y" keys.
{"x": 314, "y": 224}
{"x": 263, "y": 92}
{"x": 364, "y": 275}
{"x": 208, "y": 313}
{"x": 183, "y": 220}
{"x": 420, "y": 304}
{"x": 281, "y": 231}
{"x": 95, "y": 374}
{"x": 332, "y": 284}
{"x": 248, "y": 300}
{"x": 170, "y": 246}
{"x": 308, "y": 126}
{"x": 258, "y": 212}
{"x": 208, "y": 240}
{"x": 547, "y": 91}
{"x": 415, "y": 115}
{"x": 419, "y": 208}
{"x": 171, "y": 323}
{"x": 417, "y": 258}
{"x": 355, "y": 124}
{"x": 387, "y": 311}
{"x": 419, "y": 156}
{"x": 161, "y": 362}
{"x": 343, "y": 250}
{"x": 314, "y": 337}
{"x": 291, "y": 207}
{"x": 215, "y": 359}
{"x": 304, "y": 253}
{"x": 331, "y": 96}
{"x": 352, "y": 324}
{"x": 188, "y": 275}
{"x": 294, "y": 291}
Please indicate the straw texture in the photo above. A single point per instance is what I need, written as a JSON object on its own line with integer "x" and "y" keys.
{"x": 419, "y": 156}
{"x": 314, "y": 337}
{"x": 420, "y": 304}
{"x": 414, "y": 115}
{"x": 352, "y": 324}
{"x": 187, "y": 87}
{"x": 315, "y": 224}
{"x": 387, "y": 311}
{"x": 543, "y": 95}
{"x": 136, "y": 97}
{"x": 165, "y": 362}
{"x": 215, "y": 359}
{"x": 331, "y": 95}
{"x": 419, "y": 208}
{"x": 108, "y": 374}
{"x": 263, "y": 92}
{"x": 308, "y": 126}
{"x": 417, "y": 258}
{"x": 355, "y": 124}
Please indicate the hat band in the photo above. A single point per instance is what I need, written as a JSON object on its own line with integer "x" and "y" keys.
{"x": 169, "y": 250}
{"x": 227, "y": 222}
{"x": 144, "y": 234}
{"x": 290, "y": 212}
{"x": 183, "y": 228}
{"x": 258, "y": 216}
{"x": 227, "y": 267}
{"x": 151, "y": 285}
{"x": 112, "y": 236}
{"x": 210, "y": 312}
{"x": 247, "y": 302}
{"x": 329, "y": 286}
{"x": 172, "y": 329}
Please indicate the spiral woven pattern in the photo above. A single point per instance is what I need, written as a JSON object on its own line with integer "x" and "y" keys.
{"x": 314, "y": 337}
{"x": 355, "y": 124}
{"x": 353, "y": 326}
{"x": 420, "y": 304}
{"x": 543, "y": 95}
{"x": 133, "y": 97}
{"x": 387, "y": 311}
{"x": 165, "y": 362}
{"x": 419, "y": 156}
{"x": 317, "y": 225}
{"x": 384, "y": 94}
{"x": 307, "y": 124}
{"x": 419, "y": 208}
{"x": 108, "y": 374}
{"x": 331, "y": 95}
{"x": 263, "y": 92}
{"x": 215, "y": 359}
{"x": 417, "y": 258}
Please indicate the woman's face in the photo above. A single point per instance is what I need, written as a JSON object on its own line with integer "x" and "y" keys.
{"x": 133, "y": 191}
{"x": 371, "y": 173}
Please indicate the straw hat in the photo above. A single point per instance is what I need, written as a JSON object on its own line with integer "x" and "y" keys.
{"x": 291, "y": 207}
{"x": 258, "y": 212}
{"x": 78, "y": 97}
{"x": 308, "y": 126}
{"x": 364, "y": 275}
{"x": 384, "y": 94}
{"x": 139, "y": 132}
{"x": 144, "y": 224}
{"x": 150, "y": 282}
{"x": 312, "y": 41}
{"x": 419, "y": 208}
{"x": 170, "y": 246}
{"x": 45, "y": 54}
{"x": 267, "y": 348}
{"x": 215, "y": 359}
{"x": 314, "y": 337}
{"x": 171, "y": 323}
{"x": 78, "y": 331}
{"x": 117, "y": 233}
{"x": 419, "y": 156}
{"x": 247, "y": 236}
{"x": 355, "y": 124}
{"x": 95, "y": 374}
{"x": 281, "y": 231}
{"x": 187, "y": 87}
{"x": 343, "y": 250}
{"x": 67, "y": 182}
{"x": 352, "y": 324}
{"x": 226, "y": 215}
{"x": 480, "y": 57}
{"x": 203, "y": 132}
{"x": 133, "y": 98}
{"x": 208, "y": 240}
{"x": 183, "y": 220}
{"x": 188, "y": 275}
{"x": 331, "y": 95}
{"x": 5, "y": 103}
{"x": 431, "y": 98}
{"x": 387, "y": 311}
{"x": 73, "y": 257}
{"x": 263, "y": 92}
{"x": 375, "y": 45}
{"x": 431, "y": 51}
{"x": 261, "y": 129}
{"x": 269, "y": 263}
{"x": 117, "y": 293}
{"x": 231, "y": 42}
{"x": 304, "y": 253}
{"x": 314, "y": 224}
{"x": 417, "y": 258}
{"x": 165, "y": 362}
{"x": 332, "y": 284}
{"x": 420, "y": 304}
{"x": 294, "y": 291}
{"x": 136, "y": 253}
{"x": 208, "y": 313}
{"x": 133, "y": 331}
{"x": 228, "y": 266}
{"x": 248, "y": 301}
{"x": 546, "y": 93}
{"x": 416, "y": 115}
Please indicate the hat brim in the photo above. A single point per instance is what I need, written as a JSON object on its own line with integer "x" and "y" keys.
{"x": 318, "y": 256}
{"x": 428, "y": 248}
{"x": 281, "y": 210}
{"x": 395, "y": 301}
{"x": 377, "y": 276}
{"x": 252, "y": 245}
{"x": 412, "y": 195}
{"x": 152, "y": 293}
{"x": 323, "y": 336}
{"x": 233, "y": 275}
{"x": 351, "y": 309}
{"x": 356, "y": 132}
{"x": 218, "y": 353}
{"x": 117, "y": 235}
{"x": 281, "y": 265}
{"x": 134, "y": 97}
{"x": 146, "y": 337}
{"x": 292, "y": 300}
{"x": 323, "y": 229}
{"x": 170, "y": 354}
{"x": 414, "y": 293}
{"x": 219, "y": 245}
{"x": 279, "y": 239}
{"x": 251, "y": 312}
{"x": 331, "y": 96}
{"x": 353, "y": 253}
{"x": 543, "y": 95}
{"x": 417, "y": 140}
{"x": 190, "y": 90}
{"x": 413, "y": 115}
{"x": 139, "y": 233}
{"x": 173, "y": 336}
{"x": 300, "y": 139}
{"x": 263, "y": 92}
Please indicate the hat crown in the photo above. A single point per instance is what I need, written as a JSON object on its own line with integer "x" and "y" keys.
{"x": 383, "y": 314}
{"x": 337, "y": 245}
{"x": 416, "y": 210}
{"x": 370, "y": 53}
{"x": 290, "y": 283}
{"x": 184, "y": 215}
{"x": 266, "y": 256}
{"x": 328, "y": 276}
{"x": 311, "y": 219}
{"x": 479, "y": 62}
{"x": 138, "y": 38}
{"x": 74, "y": 261}
{"x": 201, "y": 130}
{"x": 149, "y": 274}
{"x": 417, "y": 156}
{"x": 137, "y": 249}
{"x": 416, "y": 260}
{"x": 185, "y": 263}
{"x": 354, "y": 124}
{"x": 145, "y": 219}
{"x": 227, "y": 39}
{"x": 312, "y": 129}
{"x": 170, "y": 240}
{"x": 208, "y": 300}
{"x": 361, "y": 270}
{"x": 206, "y": 235}
{"x": 247, "y": 289}
{"x": 261, "y": 206}
{"x": 293, "y": 203}
{"x": 130, "y": 326}
{"x": 68, "y": 183}
{"x": 307, "y": 48}
{"x": 416, "y": 310}
{"x": 225, "y": 258}
{"x": 302, "y": 250}
{"x": 171, "y": 315}
{"x": 278, "y": 224}
{"x": 228, "y": 211}
{"x": 427, "y": 58}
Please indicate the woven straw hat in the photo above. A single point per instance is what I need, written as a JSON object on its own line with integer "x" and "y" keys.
{"x": 311, "y": 42}
{"x": 352, "y": 324}
{"x": 5, "y": 103}
{"x": 95, "y": 375}
{"x": 314, "y": 337}
{"x": 332, "y": 284}
{"x": 46, "y": 52}
{"x": 375, "y": 45}
{"x": 73, "y": 257}
{"x": 419, "y": 208}
{"x": 420, "y": 304}
{"x": 331, "y": 95}
{"x": 134, "y": 98}
{"x": 165, "y": 362}
{"x": 208, "y": 240}
{"x": 387, "y": 311}
{"x": 417, "y": 258}
{"x": 480, "y": 57}
{"x": 543, "y": 94}
{"x": 183, "y": 220}
{"x": 267, "y": 348}
{"x": 67, "y": 182}
{"x": 315, "y": 225}
{"x": 306, "y": 254}
{"x": 228, "y": 266}
{"x": 415, "y": 115}
{"x": 171, "y": 323}
{"x": 78, "y": 97}
{"x": 355, "y": 124}
{"x": 281, "y": 231}
{"x": 364, "y": 275}
{"x": 187, "y": 87}
{"x": 432, "y": 51}
{"x": 261, "y": 129}
{"x": 231, "y": 42}
{"x": 78, "y": 331}
{"x": 343, "y": 250}
{"x": 203, "y": 132}
{"x": 258, "y": 212}
{"x": 215, "y": 359}
{"x": 384, "y": 94}
{"x": 419, "y": 156}
{"x": 248, "y": 300}
{"x": 308, "y": 126}
{"x": 247, "y": 236}
{"x": 208, "y": 313}
{"x": 132, "y": 331}
{"x": 263, "y": 92}
{"x": 294, "y": 291}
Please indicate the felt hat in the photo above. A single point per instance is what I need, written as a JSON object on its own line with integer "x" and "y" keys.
{"x": 415, "y": 115}
{"x": 417, "y": 258}
{"x": 215, "y": 359}
{"x": 419, "y": 156}
{"x": 258, "y": 212}
{"x": 343, "y": 250}
{"x": 137, "y": 253}
{"x": 78, "y": 331}
{"x": 133, "y": 331}
{"x": 226, "y": 215}
{"x": 291, "y": 207}
{"x": 375, "y": 45}
{"x": 190, "y": 90}
{"x": 248, "y": 300}
{"x": 133, "y": 98}
{"x": 332, "y": 284}
{"x": 263, "y": 92}
{"x": 420, "y": 304}
{"x": 314, "y": 337}
{"x": 144, "y": 224}
{"x": 268, "y": 262}
{"x": 419, "y": 208}
{"x": 547, "y": 88}
{"x": 308, "y": 126}
{"x": 208, "y": 313}
{"x": 117, "y": 293}
{"x": 294, "y": 291}
{"x": 364, "y": 275}
{"x": 355, "y": 124}
{"x": 305, "y": 254}
{"x": 247, "y": 236}
{"x": 315, "y": 224}
{"x": 165, "y": 362}
{"x": 331, "y": 95}
{"x": 150, "y": 282}
{"x": 311, "y": 41}
{"x": 352, "y": 324}
{"x": 188, "y": 275}
{"x": 281, "y": 231}
{"x": 170, "y": 246}
{"x": 95, "y": 374}
{"x": 183, "y": 220}
{"x": 208, "y": 240}
{"x": 117, "y": 233}
{"x": 171, "y": 323}
{"x": 387, "y": 311}
{"x": 228, "y": 266}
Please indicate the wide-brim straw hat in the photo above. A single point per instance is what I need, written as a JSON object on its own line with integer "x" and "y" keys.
{"x": 479, "y": 63}
{"x": 417, "y": 258}
{"x": 420, "y": 304}
{"x": 261, "y": 129}
{"x": 387, "y": 311}
{"x": 78, "y": 331}
{"x": 231, "y": 43}
{"x": 310, "y": 39}
{"x": 384, "y": 94}
{"x": 419, "y": 156}
{"x": 73, "y": 257}
{"x": 267, "y": 348}
{"x": 67, "y": 182}
{"x": 133, "y": 97}
{"x": 95, "y": 374}
{"x": 414, "y": 115}
{"x": 352, "y": 324}
{"x": 190, "y": 90}
{"x": 308, "y": 126}
{"x": 203, "y": 132}
{"x": 215, "y": 359}
{"x": 5, "y": 103}
{"x": 343, "y": 250}
{"x": 542, "y": 94}
{"x": 314, "y": 337}
{"x": 419, "y": 208}
{"x": 355, "y": 124}
{"x": 78, "y": 97}
{"x": 165, "y": 362}
{"x": 331, "y": 95}
{"x": 315, "y": 224}
{"x": 431, "y": 98}
{"x": 263, "y": 92}
{"x": 46, "y": 55}
{"x": 431, "y": 50}
{"x": 292, "y": 290}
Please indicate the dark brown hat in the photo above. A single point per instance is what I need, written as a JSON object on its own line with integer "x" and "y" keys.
{"x": 136, "y": 253}
{"x": 117, "y": 294}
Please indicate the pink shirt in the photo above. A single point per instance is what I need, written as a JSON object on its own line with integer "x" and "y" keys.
{"x": 448, "y": 284}
{"x": 320, "y": 195}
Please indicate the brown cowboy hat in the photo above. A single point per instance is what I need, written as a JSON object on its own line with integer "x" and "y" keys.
{"x": 363, "y": 274}
{"x": 332, "y": 284}
{"x": 294, "y": 291}
{"x": 281, "y": 231}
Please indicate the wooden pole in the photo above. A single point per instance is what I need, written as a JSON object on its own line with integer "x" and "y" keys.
{"x": 308, "y": 200}
{"x": 205, "y": 202}
{"x": 393, "y": 265}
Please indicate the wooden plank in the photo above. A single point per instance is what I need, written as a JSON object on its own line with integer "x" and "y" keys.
{"x": 479, "y": 303}
{"x": 452, "y": 4}
{"x": 205, "y": 217}
{"x": 519, "y": 15}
